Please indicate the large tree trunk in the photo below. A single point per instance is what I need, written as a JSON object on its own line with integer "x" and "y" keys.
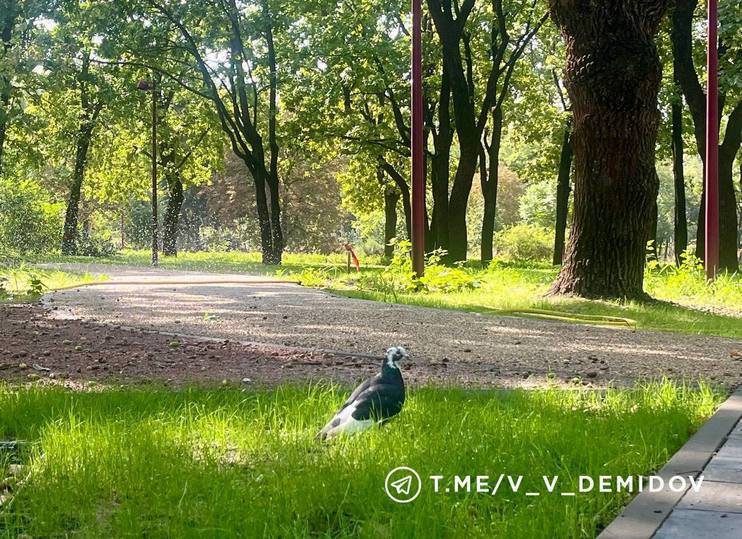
{"x": 69, "y": 235}
{"x": 172, "y": 215}
{"x": 490, "y": 179}
{"x": 613, "y": 75}
{"x": 681, "y": 221}
{"x": 562, "y": 194}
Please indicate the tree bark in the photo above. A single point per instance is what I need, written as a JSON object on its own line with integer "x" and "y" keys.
{"x": 404, "y": 189}
{"x": 562, "y": 194}
{"x": 391, "y": 197}
{"x": 90, "y": 112}
{"x": 489, "y": 180}
{"x": 69, "y": 234}
{"x": 440, "y": 166}
{"x": 613, "y": 75}
{"x": 680, "y": 240}
{"x": 272, "y": 179}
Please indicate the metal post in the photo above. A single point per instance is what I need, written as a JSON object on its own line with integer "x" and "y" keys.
{"x": 417, "y": 142}
{"x": 154, "y": 173}
{"x": 712, "y": 147}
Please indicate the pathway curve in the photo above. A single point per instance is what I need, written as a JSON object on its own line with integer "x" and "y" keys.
{"x": 251, "y": 308}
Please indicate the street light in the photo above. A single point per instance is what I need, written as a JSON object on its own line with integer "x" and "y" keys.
{"x": 711, "y": 241}
{"x": 149, "y": 86}
{"x": 417, "y": 145}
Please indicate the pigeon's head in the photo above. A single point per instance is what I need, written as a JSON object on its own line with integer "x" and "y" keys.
{"x": 394, "y": 355}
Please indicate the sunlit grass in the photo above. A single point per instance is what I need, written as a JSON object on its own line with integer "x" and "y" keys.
{"x": 199, "y": 462}
{"x": 230, "y": 262}
{"x": 22, "y": 282}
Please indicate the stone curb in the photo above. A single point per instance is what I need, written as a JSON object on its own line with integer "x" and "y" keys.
{"x": 648, "y": 510}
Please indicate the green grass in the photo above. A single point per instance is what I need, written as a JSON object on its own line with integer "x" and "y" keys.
{"x": 16, "y": 283}
{"x": 222, "y": 463}
{"x": 685, "y": 301}
{"x": 229, "y": 262}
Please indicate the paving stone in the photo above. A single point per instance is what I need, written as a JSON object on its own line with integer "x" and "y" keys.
{"x": 726, "y": 467}
{"x": 714, "y": 496}
{"x": 693, "y": 524}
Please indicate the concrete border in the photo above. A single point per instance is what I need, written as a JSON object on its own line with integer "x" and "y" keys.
{"x": 648, "y": 510}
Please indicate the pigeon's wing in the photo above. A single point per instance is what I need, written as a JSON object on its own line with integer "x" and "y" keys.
{"x": 379, "y": 402}
{"x": 360, "y": 389}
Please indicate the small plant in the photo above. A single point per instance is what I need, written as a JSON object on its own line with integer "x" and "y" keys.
{"x": 35, "y": 285}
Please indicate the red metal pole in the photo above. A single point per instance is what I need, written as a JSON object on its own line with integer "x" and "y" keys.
{"x": 712, "y": 147}
{"x": 417, "y": 142}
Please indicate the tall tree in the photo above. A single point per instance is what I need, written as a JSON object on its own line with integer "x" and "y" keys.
{"x": 676, "y": 133}
{"x": 241, "y": 81}
{"x": 612, "y": 76}
{"x": 91, "y": 104}
{"x": 18, "y": 20}
{"x": 682, "y": 37}
{"x": 456, "y": 26}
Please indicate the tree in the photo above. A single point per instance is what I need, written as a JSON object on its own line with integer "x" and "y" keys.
{"x": 471, "y": 118}
{"x": 687, "y": 76}
{"x": 612, "y": 76}
{"x": 18, "y": 19}
{"x": 235, "y": 81}
{"x": 357, "y": 95}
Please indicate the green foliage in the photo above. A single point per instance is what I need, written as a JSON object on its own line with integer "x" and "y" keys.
{"x": 95, "y": 247}
{"x": 537, "y": 205}
{"x": 524, "y": 242}
{"x": 29, "y": 221}
{"x": 398, "y": 277}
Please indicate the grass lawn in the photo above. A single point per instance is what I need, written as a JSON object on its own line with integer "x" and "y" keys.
{"x": 17, "y": 283}
{"x": 223, "y": 462}
{"x": 686, "y": 303}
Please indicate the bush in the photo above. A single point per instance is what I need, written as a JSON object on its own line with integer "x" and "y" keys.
{"x": 95, "y": 247}
{"x": 524, "y": 242}
{"x": 398, "y": 277}
{"x": 29, "y": 221}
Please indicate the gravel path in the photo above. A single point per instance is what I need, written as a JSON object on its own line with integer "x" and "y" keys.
{"x": 516, "y": 351}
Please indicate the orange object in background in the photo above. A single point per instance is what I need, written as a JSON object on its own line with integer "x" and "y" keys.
{"x": 352, "y": 256}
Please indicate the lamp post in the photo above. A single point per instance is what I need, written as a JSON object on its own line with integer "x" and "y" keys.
{"x": 711, "y": 241}
{"x": 417, "y": 145}
{"x": 145, "y": 85}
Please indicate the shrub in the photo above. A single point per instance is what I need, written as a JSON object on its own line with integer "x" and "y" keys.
{"x": 398, "y": 277}
{"x": 95, "y": 247}
{"x": 524, "y": 242}
{"x": 29, "y": 221}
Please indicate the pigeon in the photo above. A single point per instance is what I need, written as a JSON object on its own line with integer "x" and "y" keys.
{"x": 375, "y": 401}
